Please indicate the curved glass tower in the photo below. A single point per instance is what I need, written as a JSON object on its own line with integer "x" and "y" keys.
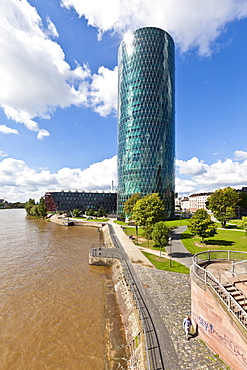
{"x": 146, "y": 127}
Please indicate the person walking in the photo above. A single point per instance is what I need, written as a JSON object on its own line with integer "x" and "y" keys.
{"x": 186, "y": 325}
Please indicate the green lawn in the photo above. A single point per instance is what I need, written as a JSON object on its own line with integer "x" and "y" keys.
{"x": 141, "y": 241}
{"x": 98, "y": 219}
{"x": 174, "y": 223}
{"x": 223, "y": 240}
{"x": 166, "y": 264}
{"x": 120, "y": 222}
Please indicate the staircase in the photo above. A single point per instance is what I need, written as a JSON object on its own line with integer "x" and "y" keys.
{"x": 237, "y": 295}
{"x": 235, "y": 299}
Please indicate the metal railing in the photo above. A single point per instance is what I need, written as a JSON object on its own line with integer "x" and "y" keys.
{"x": 153, "y": 350}
{"x": 209, "y": 279}
{"x": 239, "y": 267}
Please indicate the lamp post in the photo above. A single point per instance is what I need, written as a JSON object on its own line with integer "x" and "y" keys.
{"x": 170, "y": 249}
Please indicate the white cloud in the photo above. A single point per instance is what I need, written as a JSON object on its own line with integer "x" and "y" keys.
{"x": 240, "y": 155}
{"x": 7, "y": 130}
{"x": 3, "y": 153}
{"x": 184, "y": 186}
{"x": 51, "y": 28}
{"x": 192, "y": 23}
{"x": 217, "y": 175}
{"x": 104, "y": 91}
{"x": 191, "y": 167}
{"x": 19, "y": 182}
{"x": 34, "y": 76}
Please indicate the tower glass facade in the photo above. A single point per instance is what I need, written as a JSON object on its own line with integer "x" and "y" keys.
{"x": 146, "y": 124}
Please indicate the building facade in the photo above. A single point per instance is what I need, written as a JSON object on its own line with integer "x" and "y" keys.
{"x": 67, "y": 201}
{"x": 146, "y": 123}
{"x": 198, "y": 201}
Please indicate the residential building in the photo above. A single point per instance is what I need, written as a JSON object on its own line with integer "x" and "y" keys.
{"x": 198, "y": 201}
{"x": 185, "y": 204}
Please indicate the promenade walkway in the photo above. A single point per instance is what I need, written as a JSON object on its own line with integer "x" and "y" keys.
{"x": 168, "y": 296}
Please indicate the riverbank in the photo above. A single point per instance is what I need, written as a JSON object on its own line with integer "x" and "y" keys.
{"x": 168, "y": 296}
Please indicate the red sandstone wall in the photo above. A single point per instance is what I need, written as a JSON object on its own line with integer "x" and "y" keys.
{"x": 217, "y": 329}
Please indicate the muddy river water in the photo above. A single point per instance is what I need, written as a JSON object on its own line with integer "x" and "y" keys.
{"x": 54, "y": 306}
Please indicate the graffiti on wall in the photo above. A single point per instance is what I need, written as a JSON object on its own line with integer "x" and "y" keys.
{"x": 209, "y": 328}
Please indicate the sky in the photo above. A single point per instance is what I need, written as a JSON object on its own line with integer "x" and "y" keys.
{"x": 58, "y": 92}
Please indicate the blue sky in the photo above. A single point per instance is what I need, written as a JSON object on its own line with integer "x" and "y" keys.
{"x": 58, "y": 92}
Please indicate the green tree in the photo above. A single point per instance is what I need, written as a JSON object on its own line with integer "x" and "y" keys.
{"x": 42, "y": 208}
{"x": 100, "y": 212}
{"x": 130, "y": 203}
{"x": 29, "y": 205}
{"x": 91, "y": 212}
{"x": 148, "y": 210}
{"x": 75, "y": 212}
{"x": 160, "y": 234}
{"x": 202, "y": 225}
{"x": 243, "y": 224}
{"x": 35, "y": 211}
{"x": 223, "y": 203}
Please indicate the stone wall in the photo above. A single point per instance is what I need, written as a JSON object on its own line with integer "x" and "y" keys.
{"x": 131, "y": 320}
{"x": 217, "y": 327}
{"x": 106, "y": 236}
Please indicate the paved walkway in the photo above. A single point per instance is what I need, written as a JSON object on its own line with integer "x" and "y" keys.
{"x": 169, "y": 294}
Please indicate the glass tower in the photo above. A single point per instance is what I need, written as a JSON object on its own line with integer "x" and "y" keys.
{"x": 146, "y": 125}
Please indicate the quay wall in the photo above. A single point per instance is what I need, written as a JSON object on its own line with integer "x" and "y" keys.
{"x": 135, "y": 339}
{"x": 216, "y": 326}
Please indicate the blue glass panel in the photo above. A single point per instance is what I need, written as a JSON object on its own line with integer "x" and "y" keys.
{"x": 146, "y": 132}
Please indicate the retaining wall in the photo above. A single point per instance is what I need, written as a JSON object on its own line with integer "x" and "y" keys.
{"x": 135, "y": 338}
{"x": 131, "y": 319}
{"x": 217, "y": 327}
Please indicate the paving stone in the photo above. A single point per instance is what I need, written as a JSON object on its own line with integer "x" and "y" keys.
{"x": 170, "y": 293}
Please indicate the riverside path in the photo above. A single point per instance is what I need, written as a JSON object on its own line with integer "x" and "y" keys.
{"x": 167, "y": 295}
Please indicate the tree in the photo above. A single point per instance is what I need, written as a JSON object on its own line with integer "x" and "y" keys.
{"x": 243, "y": 224}
{"x": 223, "y": 203}
{"x": 42, "y": 210}
{"x": 75, "y": 212}
{"x": 160, "y": 234}
{"x": 29, "y": 205}
{"x": 148, "y": 210}
{"x": 35, "y": 211}
{"x": 202, "y": 225}
{"x": 100, "y": 212}
{"x": 130, "y": 203}
{"x": 91, "y": 212}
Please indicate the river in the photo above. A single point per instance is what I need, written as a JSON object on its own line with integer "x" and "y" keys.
{"x": 55, "y": 307}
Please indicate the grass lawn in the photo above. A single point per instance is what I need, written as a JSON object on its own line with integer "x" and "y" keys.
{"x": 165, "y": 264}
{"x": 143, "y": 242}
{"x": 120, "y": 222}
{"x": 139, "y": 240}
{"x": 174, "y": 223}
{"x": 223, "y": 240}
{"x": 91, "y": 219}
{"x": 98, "y": 220}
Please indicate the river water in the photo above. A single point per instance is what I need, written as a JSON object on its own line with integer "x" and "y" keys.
{"x": 55, "y": 307}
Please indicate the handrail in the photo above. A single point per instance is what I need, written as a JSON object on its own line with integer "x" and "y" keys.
{"x": 234, "y": 264}
{"x": 209, "y": 279}
{"x": 153, "y": 350}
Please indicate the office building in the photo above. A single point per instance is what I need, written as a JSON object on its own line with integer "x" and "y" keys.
{"x": 65, "y": 201}
{"x": 146, "y": 132}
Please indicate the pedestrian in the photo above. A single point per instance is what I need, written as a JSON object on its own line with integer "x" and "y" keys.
{"x": 186, "y": 325}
